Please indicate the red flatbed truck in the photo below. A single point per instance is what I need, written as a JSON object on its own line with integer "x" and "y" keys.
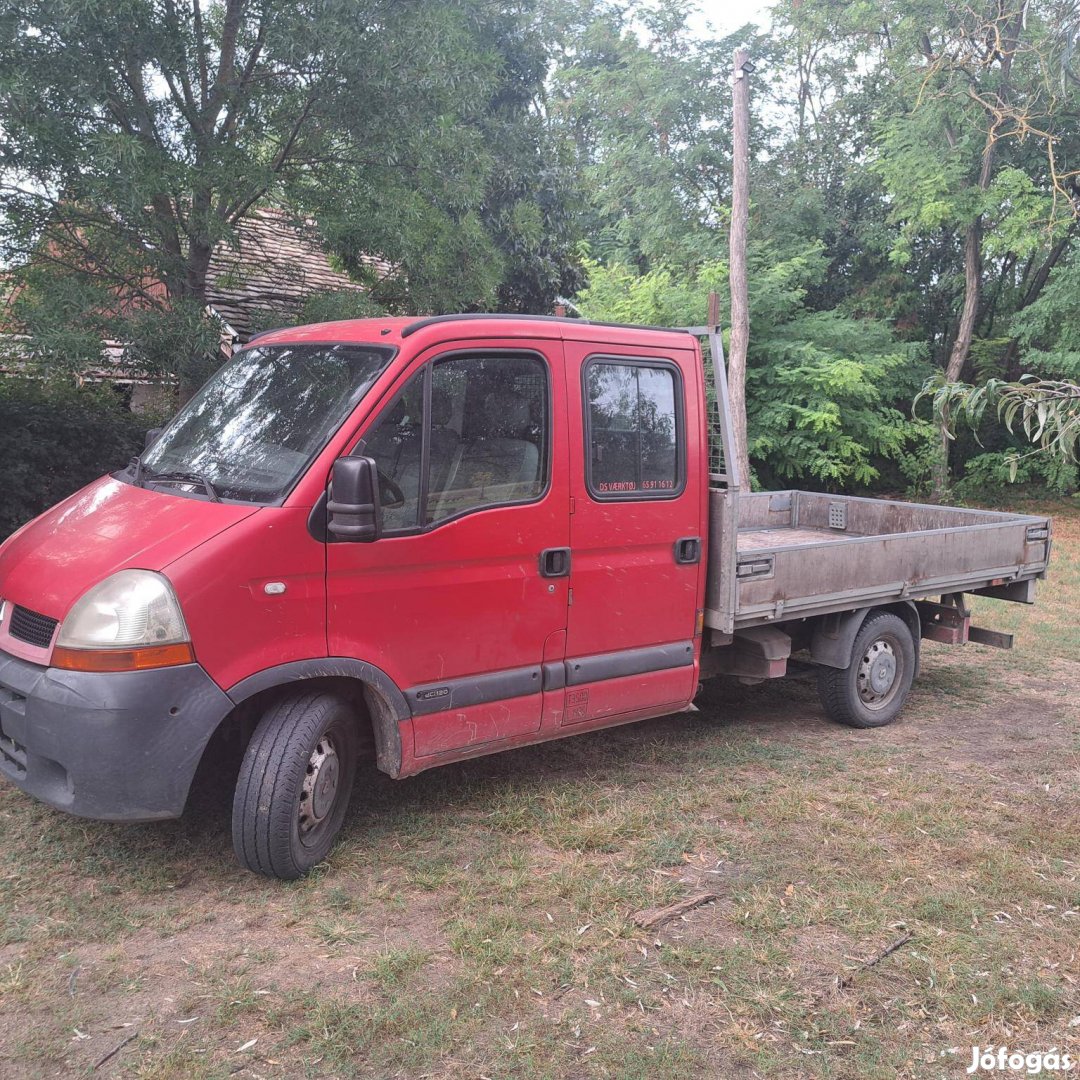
{"x": 436, "y": 539}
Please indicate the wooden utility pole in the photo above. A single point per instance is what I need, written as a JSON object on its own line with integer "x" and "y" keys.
{"x": 740, "y": 213}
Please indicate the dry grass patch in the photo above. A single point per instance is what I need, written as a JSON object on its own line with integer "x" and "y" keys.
{"x": 477, "y": 920}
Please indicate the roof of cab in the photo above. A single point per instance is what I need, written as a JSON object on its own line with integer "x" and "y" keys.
{"x": 396, "y": 330}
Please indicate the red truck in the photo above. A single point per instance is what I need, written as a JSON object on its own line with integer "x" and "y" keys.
{"x": 425, "y": 540}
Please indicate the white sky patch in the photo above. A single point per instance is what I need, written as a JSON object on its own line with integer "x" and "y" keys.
{"x": 723, "y": 17}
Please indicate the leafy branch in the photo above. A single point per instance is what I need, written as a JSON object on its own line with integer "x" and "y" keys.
{"x": 1046, "y": 411}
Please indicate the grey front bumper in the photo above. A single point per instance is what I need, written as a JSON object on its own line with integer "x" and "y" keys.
{"x": 120, "y": 746}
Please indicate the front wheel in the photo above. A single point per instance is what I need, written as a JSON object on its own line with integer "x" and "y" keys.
{"x": 872, "y": 689}
{"x": 294, "y": 785}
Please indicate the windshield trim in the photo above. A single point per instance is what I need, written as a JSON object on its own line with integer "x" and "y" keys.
{"x": 128, "y": 473}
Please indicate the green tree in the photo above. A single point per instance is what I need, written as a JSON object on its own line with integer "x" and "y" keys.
{"x": 136, "y": 135}
{"x": 1039, "y": 410}
{"x": 645, "y": 104}
{"x": 970, "y": 132}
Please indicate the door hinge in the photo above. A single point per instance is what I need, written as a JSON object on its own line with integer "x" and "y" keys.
{"x": 573, "y": 505}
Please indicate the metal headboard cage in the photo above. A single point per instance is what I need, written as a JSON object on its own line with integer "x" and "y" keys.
{"x": 723, "y": 463}
{"x": 724, "y": 483}
{"x": 717, "y": 466}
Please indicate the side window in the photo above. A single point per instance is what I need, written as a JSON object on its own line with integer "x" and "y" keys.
{"x": 395, "y": 443}
{"x": 487, "y": 428}
{"x": 490, "y": 432}
{"x": 633, "y": 429}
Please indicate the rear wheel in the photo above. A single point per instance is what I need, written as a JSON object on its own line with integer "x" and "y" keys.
{"x": 294, "y": 784}
{"x": 871, "y": 691}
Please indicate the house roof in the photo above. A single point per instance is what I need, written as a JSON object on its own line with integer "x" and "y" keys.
{"x": 271, "y": 267}
{"x": 263, "y": 275}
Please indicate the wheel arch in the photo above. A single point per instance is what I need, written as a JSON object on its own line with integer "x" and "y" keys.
{"x": 384, "y": 703}
{"x": 835, "y": 634}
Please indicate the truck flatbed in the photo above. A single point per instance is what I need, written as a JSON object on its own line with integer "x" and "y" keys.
{"x": 778, "y": 555}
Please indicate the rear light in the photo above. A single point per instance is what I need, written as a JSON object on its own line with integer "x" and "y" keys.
{"x": 145, "y": 659}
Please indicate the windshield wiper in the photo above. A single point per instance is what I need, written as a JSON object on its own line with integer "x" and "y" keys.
{"x": 135, "y": 465}
{"x": 179, "y": 478}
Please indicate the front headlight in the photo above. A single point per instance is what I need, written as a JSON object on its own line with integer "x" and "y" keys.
{"x": 127, "y": 622}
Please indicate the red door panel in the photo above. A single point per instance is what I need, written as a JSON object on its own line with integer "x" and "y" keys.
{"x": 458, "y": 614}
{"x": 633, "y": 613}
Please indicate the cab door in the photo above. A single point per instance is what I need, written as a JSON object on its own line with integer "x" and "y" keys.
{"x": 457, "y": 601}
{"x": 636, "y": 531}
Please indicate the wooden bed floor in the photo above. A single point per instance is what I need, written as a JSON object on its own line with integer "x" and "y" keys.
{"x": 785, "y": 536}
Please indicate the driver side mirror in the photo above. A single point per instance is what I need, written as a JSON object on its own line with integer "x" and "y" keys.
{"x": 354, "y": 510}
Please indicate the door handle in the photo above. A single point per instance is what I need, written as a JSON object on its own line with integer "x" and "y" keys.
{"x": 688, "y": 550}
{"x": 555, "y": 562}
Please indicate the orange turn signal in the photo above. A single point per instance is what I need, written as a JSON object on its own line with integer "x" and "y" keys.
{"x": 143, "y": 659}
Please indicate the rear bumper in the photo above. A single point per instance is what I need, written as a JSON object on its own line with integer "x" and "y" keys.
{"x": 116, "y": 747}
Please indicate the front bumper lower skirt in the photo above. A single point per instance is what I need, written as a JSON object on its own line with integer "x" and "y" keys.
{"x": 118, "y": 746}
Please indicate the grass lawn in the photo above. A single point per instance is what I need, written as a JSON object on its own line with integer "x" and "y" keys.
{"x": 477, "y": 920}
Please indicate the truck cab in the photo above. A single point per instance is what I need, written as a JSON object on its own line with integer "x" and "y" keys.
{"x": 533, "y": 566}
{"x": 426, "y": 540}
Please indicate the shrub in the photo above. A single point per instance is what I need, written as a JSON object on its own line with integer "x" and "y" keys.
{"x": 54, "y": 439}
{"x": 990, "y": 476}
{"x": 828, "y": 395}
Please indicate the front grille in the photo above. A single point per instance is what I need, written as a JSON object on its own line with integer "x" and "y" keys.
{"x": 29, "y": 626}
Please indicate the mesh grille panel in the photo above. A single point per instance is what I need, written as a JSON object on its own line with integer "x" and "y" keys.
{"x": 716, "y": 446}
{"x": 34, "y": 629}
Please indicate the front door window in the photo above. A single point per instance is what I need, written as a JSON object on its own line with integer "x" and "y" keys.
{"x": 467, "y": 433}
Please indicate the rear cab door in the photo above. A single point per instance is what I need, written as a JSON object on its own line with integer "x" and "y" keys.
{"x": 637, "y": 527}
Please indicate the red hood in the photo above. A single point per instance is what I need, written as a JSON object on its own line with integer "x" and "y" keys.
{"x": 108, "y": 526}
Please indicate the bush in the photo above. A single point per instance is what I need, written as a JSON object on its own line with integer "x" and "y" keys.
{"x": 828, "y": 395}
{"x": 54, "y": 439}
{"x": 989, "y": 477}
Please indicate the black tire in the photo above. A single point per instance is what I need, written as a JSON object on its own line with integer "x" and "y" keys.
{"x": 866, "y": 694}
{"x": 294, "y": 784}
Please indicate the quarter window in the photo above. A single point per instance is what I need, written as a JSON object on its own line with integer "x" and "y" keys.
{"x": 634, "y": 430}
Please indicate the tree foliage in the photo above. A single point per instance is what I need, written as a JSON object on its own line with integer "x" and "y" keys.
{"x": 827, "y": 394}
{"x": 645, "y": 103}
{"x": 1045, "y": 411}
{"x": 914, "y": 188}
{"x": 137, "y": 134}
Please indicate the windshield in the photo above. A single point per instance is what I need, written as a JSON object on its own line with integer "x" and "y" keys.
{"x": 255, "y": 427}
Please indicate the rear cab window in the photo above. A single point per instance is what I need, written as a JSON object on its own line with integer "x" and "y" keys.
{"x": 634, "y": 428}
